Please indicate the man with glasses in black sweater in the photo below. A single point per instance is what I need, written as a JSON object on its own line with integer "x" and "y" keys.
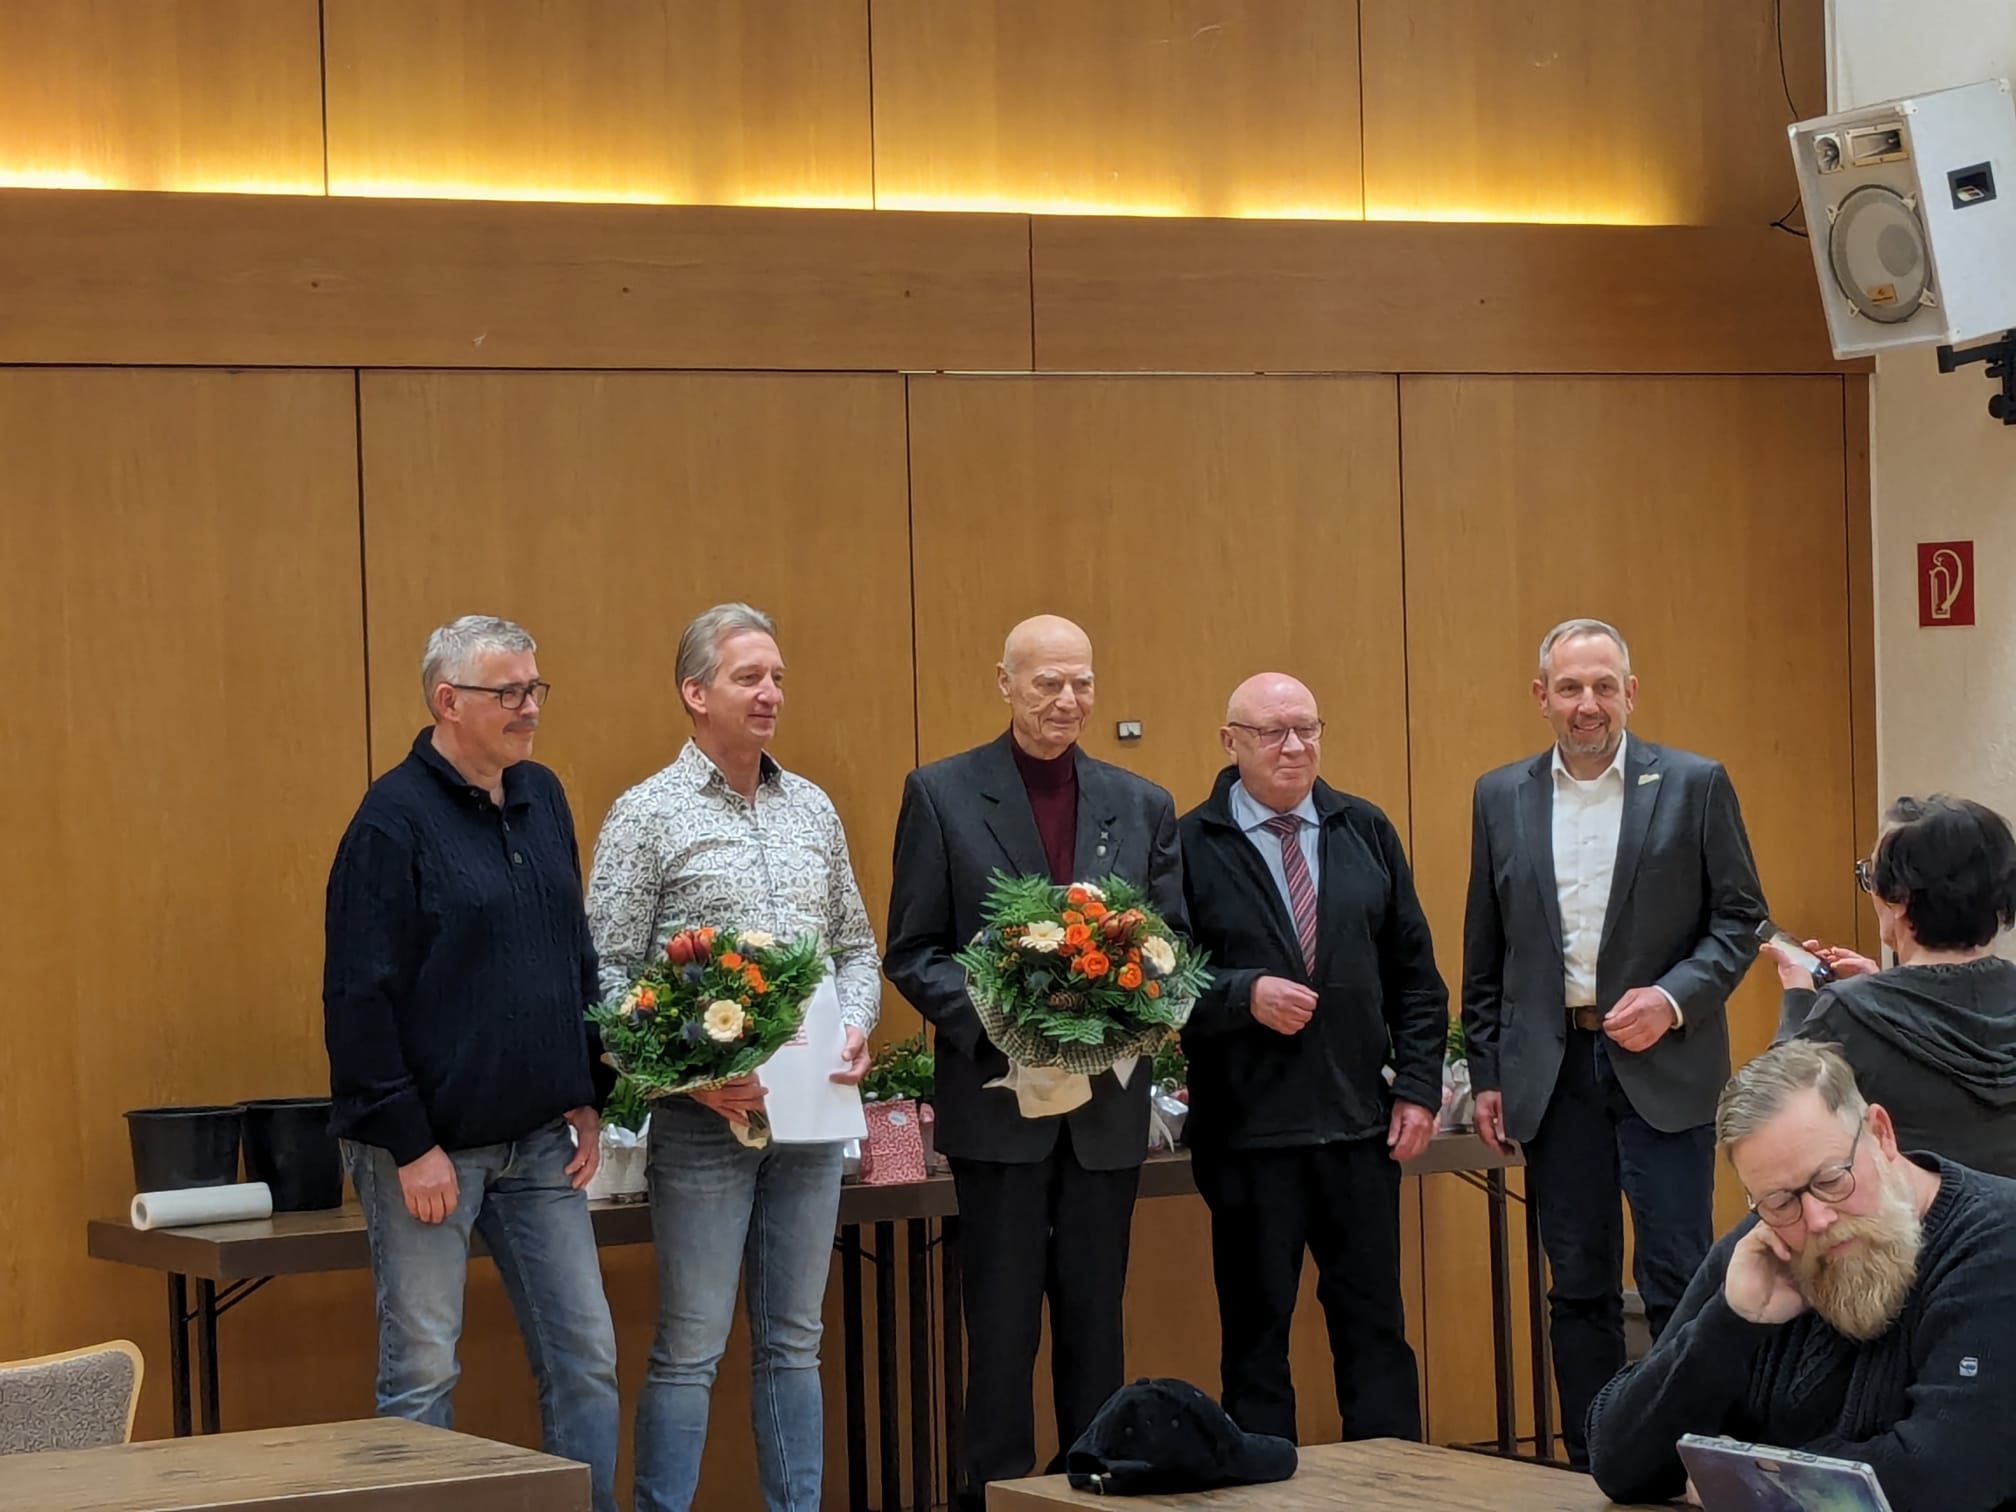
{"x": 456, "y": 971}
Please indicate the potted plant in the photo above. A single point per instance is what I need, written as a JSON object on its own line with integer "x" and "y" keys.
{"x": 896, "y": 1098}
{"x": 1457, "y": 1103}
{"x": 1169, "y": 1096}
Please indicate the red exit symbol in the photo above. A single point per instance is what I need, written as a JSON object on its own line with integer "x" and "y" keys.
{"x": 1945, "y": 582}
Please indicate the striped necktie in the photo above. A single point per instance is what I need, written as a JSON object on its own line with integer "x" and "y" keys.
{"x": 1287, "y": 828}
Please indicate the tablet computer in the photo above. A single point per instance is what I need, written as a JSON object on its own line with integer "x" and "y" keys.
{"x": 1734, "y": 1477}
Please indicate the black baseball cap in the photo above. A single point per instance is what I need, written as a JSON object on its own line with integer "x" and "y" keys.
{"x": 1167, "y": 1436}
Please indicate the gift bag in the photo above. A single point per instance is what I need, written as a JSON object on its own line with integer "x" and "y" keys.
{"x": 894, "y": 1150}
{"x": 620, "y": 1176}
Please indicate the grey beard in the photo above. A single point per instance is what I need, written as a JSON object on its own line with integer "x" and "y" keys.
{"x": 1862, "y": 1292}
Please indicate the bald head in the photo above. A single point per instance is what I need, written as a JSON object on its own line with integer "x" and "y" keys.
{"x": 1045, "y": 636}
{"x": 1045, "y": 677}
{"x": 1273, "y": 735}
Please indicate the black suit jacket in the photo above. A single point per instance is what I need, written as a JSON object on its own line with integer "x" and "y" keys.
{"x": 964, "y": 818}
{"x": 1684, "y": 899}
{"x": 1379, "y": 997}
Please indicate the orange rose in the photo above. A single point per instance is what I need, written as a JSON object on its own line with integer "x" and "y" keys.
{"x": 1072, "y": 916}
{"x": 1134, "y": 956}
{"x": 732, "y": 961}
{"x": 1093, "y": 964}
{"x": 1077, "y": 897}
{"x": 754, "y": 977}
{"x": 707, "y": 934}
{"x": 1130, "y": 976}
{"x": 1077, "y": 934}
{"x": 1095, "y": 909}
{"x": 1153, "y": 989}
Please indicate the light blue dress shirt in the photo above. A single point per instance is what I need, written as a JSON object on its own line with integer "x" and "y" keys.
{"x": 1250, "y": 814}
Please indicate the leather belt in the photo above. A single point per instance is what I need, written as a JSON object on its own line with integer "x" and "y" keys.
{"x": 1586, "y": 1018}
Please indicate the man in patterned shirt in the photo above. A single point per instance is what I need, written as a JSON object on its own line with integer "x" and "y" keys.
{"x": 726, "y": 836}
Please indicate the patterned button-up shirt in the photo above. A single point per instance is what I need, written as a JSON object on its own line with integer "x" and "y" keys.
{"x": 683, "y": 848}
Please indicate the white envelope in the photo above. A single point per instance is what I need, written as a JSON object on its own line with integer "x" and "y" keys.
{"x": 804, "y": 1103}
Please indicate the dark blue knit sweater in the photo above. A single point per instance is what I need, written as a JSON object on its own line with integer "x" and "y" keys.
{"x": 1927, "y": 1404}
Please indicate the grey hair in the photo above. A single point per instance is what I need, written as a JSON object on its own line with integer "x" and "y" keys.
{"x": 453, "y": 648}
{"x": 700, "y": 642}
{"x": 1571, "y": 629}
{"x": 1759, "y": 1092}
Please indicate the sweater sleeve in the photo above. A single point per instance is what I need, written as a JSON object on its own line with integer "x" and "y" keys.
{"x": 1947, "y": 1451}
{"x": 1691, "y": 1382}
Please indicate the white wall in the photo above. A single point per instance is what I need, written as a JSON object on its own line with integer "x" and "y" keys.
{"x": 1941, "y": 468}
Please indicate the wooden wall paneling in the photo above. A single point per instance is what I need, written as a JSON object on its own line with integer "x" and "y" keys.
{"x": 181, "y": 579}
{"x": 1273, "y": 504}
{"x": 1870, "y": 801}
{"x": 172, "y": 94}
{"x": 1118, "y": 295}
{"x": 602, "y": 511}
{"x": 1530, "y": 500}
{"x": 731, "y": 102}
{"x": 1155, "y": 107}
{"x": 1585, "y": 110}
{"x": 239, "y": 281}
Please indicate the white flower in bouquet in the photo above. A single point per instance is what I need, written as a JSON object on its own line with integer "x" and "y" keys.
{"x": 1045, "y": 935}
{"x": 724, "y": 1020}
{"x": 1158, "y": 955}
{"x": 755, "y": 939}
{"x": 1097, "y": 895}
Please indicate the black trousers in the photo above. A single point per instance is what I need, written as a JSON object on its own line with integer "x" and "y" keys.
{"x": 1341, "y": 1203}
{"x": 1050, "y": 1229}
{"x": 1590, "y": 1146}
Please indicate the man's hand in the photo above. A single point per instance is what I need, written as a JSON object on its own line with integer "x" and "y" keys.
{"x": 1283, "y": 1006}
{"x": 1409, "y": 1130}
{"x": 1759, "y": 1285}
{"x": 855, "y": 1059}
{"x": 1791, "y": 975}
{"x": 428, "y": 1185}
{"x": 588, "y": 1154}
{"x": 1641, "y": 1019}
{"x": 1488, "y": 1119}
{"x": 734, "y": 1100}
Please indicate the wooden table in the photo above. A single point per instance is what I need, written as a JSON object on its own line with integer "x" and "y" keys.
{"x": 230, "y": 1261}
{"x": 379, "y": 1466}
{"x": 1382, "y": 1475}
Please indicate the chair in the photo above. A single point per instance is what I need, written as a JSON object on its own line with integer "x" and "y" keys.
{"x": 80, "y": 1400}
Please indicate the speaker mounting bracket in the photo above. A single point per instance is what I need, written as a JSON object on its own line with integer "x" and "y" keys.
{"x": 1999, "y": 358}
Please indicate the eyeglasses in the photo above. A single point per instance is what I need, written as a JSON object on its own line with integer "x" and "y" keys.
{"x": 1865, "y": 875}
{"x": 513, "y": 696}
{"x": 1272, "y": 737}
{"x": 1833, "y": 1185}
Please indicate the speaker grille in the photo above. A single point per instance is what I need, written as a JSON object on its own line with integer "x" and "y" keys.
{"x": 1878, "y": 251}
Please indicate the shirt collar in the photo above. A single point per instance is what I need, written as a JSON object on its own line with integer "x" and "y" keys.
{"x": 697, "y": 769}
{"x": 1616, "y": 764}
{"x": 1249, "y": 813}
{"x": 424, "y": 751}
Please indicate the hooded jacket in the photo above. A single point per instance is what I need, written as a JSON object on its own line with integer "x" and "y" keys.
{"x": 1935, "y": 1045}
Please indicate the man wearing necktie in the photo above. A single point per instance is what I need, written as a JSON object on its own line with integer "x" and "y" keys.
{"x": 1612, "y": 899}
{"x": 1323, "y": 976}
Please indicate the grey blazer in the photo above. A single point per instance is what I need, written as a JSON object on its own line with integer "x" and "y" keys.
{"x": 1683, "y": 902}
{"x": 963, "y": 818}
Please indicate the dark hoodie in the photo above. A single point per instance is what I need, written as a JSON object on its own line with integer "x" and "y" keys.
{"x": 1935, "y": 1045}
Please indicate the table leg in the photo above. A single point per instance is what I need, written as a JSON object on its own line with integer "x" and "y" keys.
{"x": 854, "y": 1368}
{"x": 1536, "y": 1323}
{"x": 890, "y": 1426}
{"x": 919, "y": 1260}
{"x": 954, "y": 1353}
{"x": 206, "y": 1351}
{"x": 178, "y": 1350}
{"x": 1501, "y": 1313}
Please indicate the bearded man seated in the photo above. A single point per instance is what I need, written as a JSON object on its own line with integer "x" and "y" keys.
{"x": 1866, "y": 1310}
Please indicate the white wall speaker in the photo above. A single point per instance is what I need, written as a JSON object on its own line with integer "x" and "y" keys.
{"x": 1911, "y": 208}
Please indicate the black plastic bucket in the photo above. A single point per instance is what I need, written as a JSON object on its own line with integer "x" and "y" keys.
{"x": 185, "y": 1147}
{"x": 289, "y": 1147}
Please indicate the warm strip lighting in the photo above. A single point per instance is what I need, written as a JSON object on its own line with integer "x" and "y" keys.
{"x": 1607, "y": 215}
{"x": 1298, "y": 212}
{"x": 363, "y": 188}
{"x": 806, "y": 202}
{"x": 1008, "y": 204}
{"x": 51, "y": 178}
{"x": 295, "y": 187}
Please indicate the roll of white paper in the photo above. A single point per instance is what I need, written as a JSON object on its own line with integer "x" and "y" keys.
{"x": 193, "y": 1205}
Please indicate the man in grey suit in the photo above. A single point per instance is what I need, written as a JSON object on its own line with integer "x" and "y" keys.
{"x": 1612, "y": 899}
{"x": 1045, "y": 1204}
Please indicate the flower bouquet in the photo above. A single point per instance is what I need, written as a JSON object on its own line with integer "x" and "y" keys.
{"x": 716, "y": 1005}
{"x": 1072, "y": 981}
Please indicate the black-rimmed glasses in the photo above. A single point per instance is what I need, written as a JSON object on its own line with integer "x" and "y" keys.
{"x": 514, "y": 695}
{"x": 1274, "y": 736}
{"x": 1865, "y": 875}
{"x": 1834, "y": 1185}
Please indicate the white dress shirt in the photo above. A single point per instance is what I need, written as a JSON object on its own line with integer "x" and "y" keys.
{"x": 1587, "y": 817}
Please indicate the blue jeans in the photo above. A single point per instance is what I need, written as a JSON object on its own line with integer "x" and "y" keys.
{"x": 718, "y": 1208}
{"x": 517, "y": 1196}
{"x": 1590, "y": 1146}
